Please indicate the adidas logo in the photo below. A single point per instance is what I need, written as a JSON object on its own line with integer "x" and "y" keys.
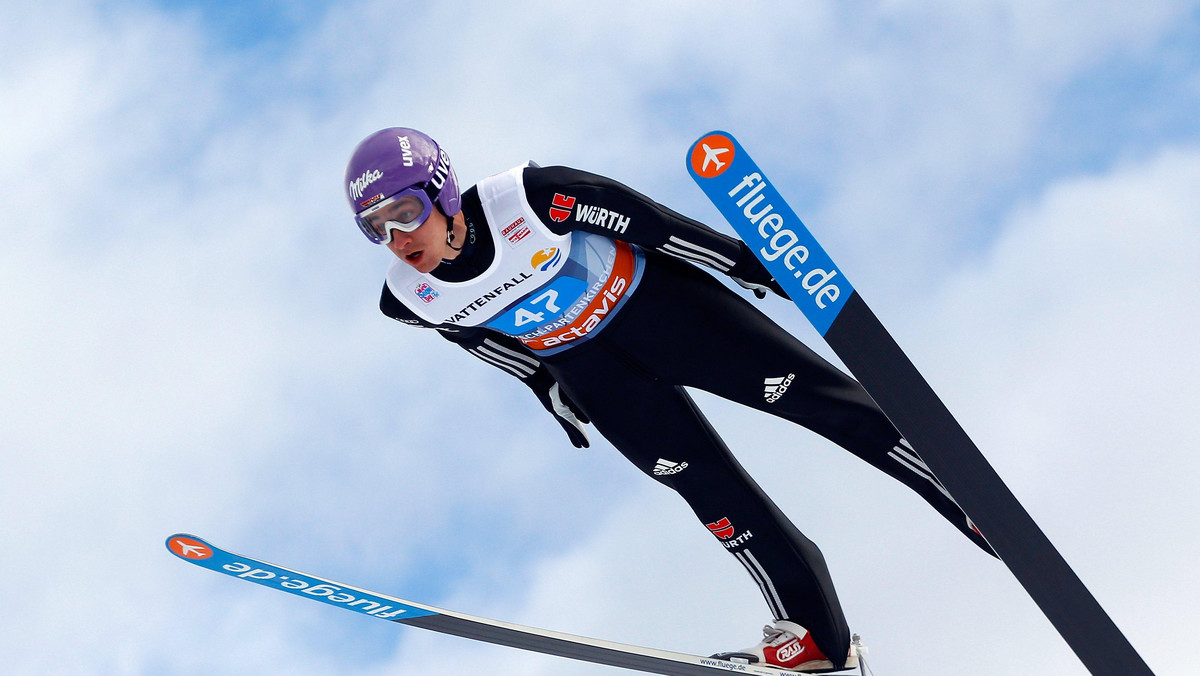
{"x": 774, "y": 388}
{"x": 667, "y": 468}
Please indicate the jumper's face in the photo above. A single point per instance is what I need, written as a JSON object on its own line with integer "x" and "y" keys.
{"x": 425, "y": 247}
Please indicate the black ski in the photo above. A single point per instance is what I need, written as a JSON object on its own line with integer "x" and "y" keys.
{"x": 768, "y": 225}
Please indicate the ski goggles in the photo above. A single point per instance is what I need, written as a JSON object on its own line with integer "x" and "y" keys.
{"x": 405, "y": 211}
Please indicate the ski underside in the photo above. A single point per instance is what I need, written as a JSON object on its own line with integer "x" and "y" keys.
{"x": 198, "y": 551}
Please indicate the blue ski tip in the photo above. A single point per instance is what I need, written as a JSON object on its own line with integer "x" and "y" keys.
{"x": 196, "y": 550}
{"x": 189, "y": 547}
{"x": 765, "y": 222}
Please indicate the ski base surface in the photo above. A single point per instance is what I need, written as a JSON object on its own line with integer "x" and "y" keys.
{"x": 200, "y": 552}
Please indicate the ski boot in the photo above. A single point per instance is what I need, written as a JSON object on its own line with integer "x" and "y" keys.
{"x": 787, "y": 645}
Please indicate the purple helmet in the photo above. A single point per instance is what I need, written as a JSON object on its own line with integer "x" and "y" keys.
{"x": 394, "y": 161}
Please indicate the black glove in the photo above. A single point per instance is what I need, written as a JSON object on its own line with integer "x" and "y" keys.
{"x": 566, "y": 412}
{"x": 752, "y": 274}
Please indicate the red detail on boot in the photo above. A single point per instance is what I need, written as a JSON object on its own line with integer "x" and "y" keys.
{"x": 794, "y": 652}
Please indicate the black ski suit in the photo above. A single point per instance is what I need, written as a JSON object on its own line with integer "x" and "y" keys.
{"x": 682, "y": 328}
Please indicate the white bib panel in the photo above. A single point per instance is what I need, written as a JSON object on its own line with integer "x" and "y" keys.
{"x": 528, "y": 255}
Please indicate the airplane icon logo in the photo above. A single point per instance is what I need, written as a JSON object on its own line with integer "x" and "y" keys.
{"x": 189, "y": 548}
{"x": 711, "y": 155}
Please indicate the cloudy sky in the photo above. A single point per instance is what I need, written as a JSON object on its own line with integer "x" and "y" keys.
{"x": 190, "y": 341}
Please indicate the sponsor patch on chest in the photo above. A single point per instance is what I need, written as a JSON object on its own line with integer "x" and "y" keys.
{"x": 425, "y": 292}
{"x": 514, "y": 233}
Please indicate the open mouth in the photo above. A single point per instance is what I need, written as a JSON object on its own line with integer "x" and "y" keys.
{"x": 413, "y": 257}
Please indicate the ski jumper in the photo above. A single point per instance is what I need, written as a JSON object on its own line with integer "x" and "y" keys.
{"x": 572, "y": 278}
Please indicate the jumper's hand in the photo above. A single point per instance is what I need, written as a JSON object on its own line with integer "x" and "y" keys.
{"x": 760, "y": 290}
{"x": 751, "y": 274}
{"x": 567, "y": 413}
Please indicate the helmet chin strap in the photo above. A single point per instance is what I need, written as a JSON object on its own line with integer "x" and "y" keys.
{"x": 450, "y": 233}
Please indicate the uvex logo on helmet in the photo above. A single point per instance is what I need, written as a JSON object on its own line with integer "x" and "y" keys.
{"x": 359, "y": 185}
{"x": 441, "y": 171}
{"x": 405, "y": 151}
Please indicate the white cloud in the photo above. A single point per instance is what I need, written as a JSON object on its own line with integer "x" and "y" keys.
{"x": 1087, "y": 303}
{"x": 190, "y": 339}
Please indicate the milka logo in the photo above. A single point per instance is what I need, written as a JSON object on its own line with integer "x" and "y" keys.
{"x": 783, "y": 241}
{"x": 359, "y": 185}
